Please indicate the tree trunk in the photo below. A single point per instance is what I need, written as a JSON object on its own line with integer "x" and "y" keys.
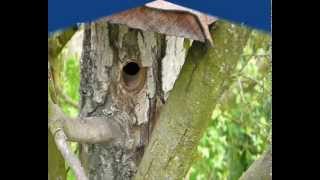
{"x": 127, "y": 76}
{"x": 123, "y": 80}
{"x": 205, "y": 75}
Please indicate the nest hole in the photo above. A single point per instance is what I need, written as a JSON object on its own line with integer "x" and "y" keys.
{"x": 131, "y": 69}
{"x": 133, "y": 76}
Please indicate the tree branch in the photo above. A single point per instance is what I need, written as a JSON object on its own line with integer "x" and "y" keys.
{"x": 66, "y": 98}
{"x": 55, "y": 45}
{"x": 260, "y": 169}
{"x": 58, "y": 40}
{"x": 72, "y": 159}
{"x": 258, "y": 40}
{"x": 89, "y": 130}
{"x": 206, "y": 74}
{"x": 85, "y": 130}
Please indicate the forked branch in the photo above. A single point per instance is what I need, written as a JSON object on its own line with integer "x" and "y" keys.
{"x": 87, "y": 130}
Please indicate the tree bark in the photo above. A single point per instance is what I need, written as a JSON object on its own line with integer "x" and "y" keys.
{"x": 205, "y": 75}
{"x": 128, "y": 76}
{"x": 122, "y": 80}
{"x": 261, "y": 169}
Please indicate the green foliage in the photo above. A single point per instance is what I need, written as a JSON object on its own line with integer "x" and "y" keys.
{"x": 71, "y": 83}
{"x": 240, "y": 129}
{"x": 72, "y": 77}
{"x": 71, "y": 175}
{"x": 70, "y": 88}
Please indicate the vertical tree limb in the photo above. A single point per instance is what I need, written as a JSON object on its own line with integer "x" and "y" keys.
{"x": 205, "y": 75}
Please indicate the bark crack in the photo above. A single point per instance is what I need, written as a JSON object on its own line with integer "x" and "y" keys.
{"x": 195, "y": 66}
{"x": 149, "y": 167}
{"x": 178, "y": 144}
{"x": 202, "y": 50}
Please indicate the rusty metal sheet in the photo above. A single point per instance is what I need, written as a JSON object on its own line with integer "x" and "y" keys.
{"x": 166, "y": 18}
{"x": 167, "y": 6}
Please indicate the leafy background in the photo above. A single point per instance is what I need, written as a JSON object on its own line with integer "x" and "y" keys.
{"x": 240, "y": 128}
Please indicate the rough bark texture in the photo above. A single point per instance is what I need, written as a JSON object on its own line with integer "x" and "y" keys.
{"x": 83, "y": 130}
{"x": 121, "y": 81}
{"x": 261, "y": 169}
{"x": 205, "y": 75}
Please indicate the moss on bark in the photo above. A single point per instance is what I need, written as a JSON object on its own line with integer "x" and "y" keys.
{"x": 205, "y": 75}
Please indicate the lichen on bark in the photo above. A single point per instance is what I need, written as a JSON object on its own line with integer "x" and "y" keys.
{"x": 205, "y": 75}
{"x": 131, "y": 100}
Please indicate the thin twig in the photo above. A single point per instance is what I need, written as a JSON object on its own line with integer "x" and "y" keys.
{"x": 72, "y": 160}
{"x": 252, "y": 79}
{"x": 66, "y": 98}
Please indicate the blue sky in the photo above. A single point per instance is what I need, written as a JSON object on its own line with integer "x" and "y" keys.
{"x": 253, "y": 13}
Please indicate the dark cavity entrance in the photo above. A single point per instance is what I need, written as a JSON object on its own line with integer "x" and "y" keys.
{"x": 133, "y": 76}
{"x": 131, "y": 69}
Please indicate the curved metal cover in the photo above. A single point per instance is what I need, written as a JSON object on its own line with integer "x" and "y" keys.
{"x": 166, "y": 18}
